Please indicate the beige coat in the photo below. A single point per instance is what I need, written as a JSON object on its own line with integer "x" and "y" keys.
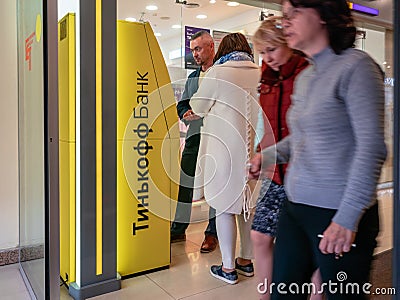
{"x": 222, "y": 98}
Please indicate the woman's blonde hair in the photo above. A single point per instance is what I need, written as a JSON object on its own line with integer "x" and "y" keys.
{"x": 270, "y": 32}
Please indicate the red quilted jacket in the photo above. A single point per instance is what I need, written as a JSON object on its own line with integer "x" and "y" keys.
{"x": 275, "y": 90}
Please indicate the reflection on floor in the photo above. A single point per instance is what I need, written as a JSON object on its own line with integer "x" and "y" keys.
{"x": 34, "y": 272}
{"x": 12, "y": 286}
{"x": 187, "y": 278}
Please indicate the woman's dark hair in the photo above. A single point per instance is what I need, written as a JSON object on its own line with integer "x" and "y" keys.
{"x": 232, "y": 42}
{"x": 339, "y": 22}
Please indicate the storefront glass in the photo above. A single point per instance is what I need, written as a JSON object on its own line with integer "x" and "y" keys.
{"x": 170, "y": 19}
{"x": 31, "y": 144}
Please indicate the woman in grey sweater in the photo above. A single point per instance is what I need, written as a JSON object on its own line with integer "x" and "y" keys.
{"x": 336, "y": 150}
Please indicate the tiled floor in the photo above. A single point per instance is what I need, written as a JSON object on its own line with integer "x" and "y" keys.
{"x": 187, "y": 278}
{"x": 12, "y": 286}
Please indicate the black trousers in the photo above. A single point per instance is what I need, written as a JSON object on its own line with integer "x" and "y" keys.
{"x": 185, "y": 193}
{"x": 297, "y": 256}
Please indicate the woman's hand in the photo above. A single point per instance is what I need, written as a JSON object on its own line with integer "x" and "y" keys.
{"x": 189, "y": 115}
{"x": 255, "y": 166}
{"x": 336, "y": 239}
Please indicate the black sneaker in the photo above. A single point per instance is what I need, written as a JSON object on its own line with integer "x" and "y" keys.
{"x": 247, "y": 270}
{"x": 217, "y": 272}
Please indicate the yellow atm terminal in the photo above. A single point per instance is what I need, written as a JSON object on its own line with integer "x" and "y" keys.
{"x": 147, "y": 150}
{"x": 67, "y": 144}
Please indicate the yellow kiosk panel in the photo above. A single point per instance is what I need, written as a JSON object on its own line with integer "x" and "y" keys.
{"x": 66, "y": 84}
{"x": 147, "y": 140}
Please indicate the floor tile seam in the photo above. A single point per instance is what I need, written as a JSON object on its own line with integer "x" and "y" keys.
{"x": 148, "y": 276}
{"x": 212, "y": 253}
{"x": 169, "y": 294}
{"x": 199, "y": 293}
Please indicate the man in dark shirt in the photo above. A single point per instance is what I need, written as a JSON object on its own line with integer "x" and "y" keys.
{"x": 202, "y": 47}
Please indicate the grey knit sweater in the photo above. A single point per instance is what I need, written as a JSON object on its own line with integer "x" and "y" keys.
{"x": 336, "y": 143}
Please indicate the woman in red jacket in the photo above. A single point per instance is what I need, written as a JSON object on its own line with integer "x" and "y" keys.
{"x": 280, "y": 66}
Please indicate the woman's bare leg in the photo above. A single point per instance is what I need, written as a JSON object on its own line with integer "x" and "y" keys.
{"x": 263, "y": 247}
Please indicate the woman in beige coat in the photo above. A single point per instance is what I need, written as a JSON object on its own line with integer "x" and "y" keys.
{"x": 226, "y": 98}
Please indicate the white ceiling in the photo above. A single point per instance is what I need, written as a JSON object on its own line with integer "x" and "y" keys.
{"x": 218, "y": 14}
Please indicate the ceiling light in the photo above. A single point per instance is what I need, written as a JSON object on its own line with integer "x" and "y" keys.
{"x": 151, "y": 7}
{"x": 176, "y": 26}
{"x": 232, "y": 3}
{"x": 212, "y": 1}
{"x": 157, "y": 34}
{"x": 201, "y": 17}
{"x": 130, "y": 19}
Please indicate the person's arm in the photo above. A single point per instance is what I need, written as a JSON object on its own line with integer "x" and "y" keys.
{"x": 364, "y": 99}
{"x": 275, "y": 154}
{"x": 365, "y": 103}
{"x": 202, "y": 101}
{"x": 183, "y": 105}
{"x": 183, "y": 109}
{"x": 278, "y": 153}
